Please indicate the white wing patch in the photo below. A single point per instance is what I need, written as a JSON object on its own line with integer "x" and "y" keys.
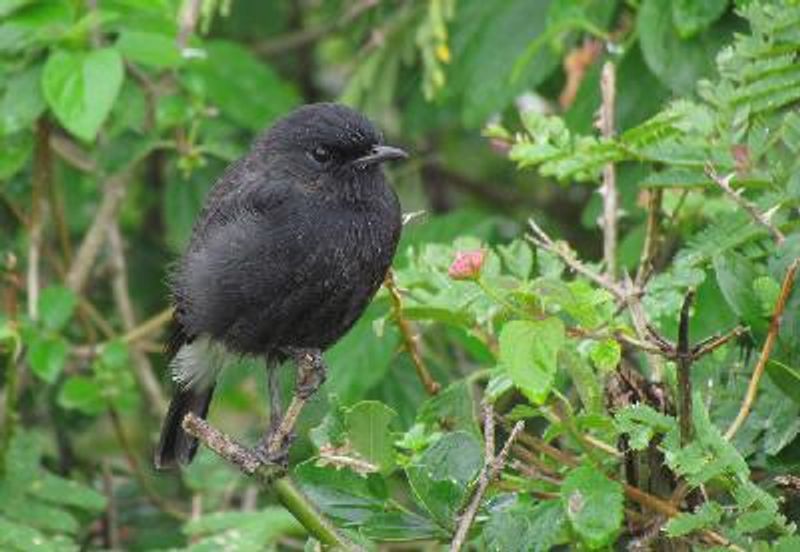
{"x": 198, "y": 364}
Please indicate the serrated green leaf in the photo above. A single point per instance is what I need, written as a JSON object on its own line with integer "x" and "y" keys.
{"x": 735, "y": 276}
{"x": 517, "y": 524}
{"x": 451, "y": 409}
{"x": 80, "y": 88}
{"x": 528, "y": 353}
{"x": 593, "y": 504}
{"x": 400, "y": 527}
{"x": 82, "y": 393}
{"x": 57, "y": 490}
{"x": 708, "y": 515}
{"x": 606, "y": 355}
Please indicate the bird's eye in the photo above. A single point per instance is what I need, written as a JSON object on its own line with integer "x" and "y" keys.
{"x": 321, "y": 154}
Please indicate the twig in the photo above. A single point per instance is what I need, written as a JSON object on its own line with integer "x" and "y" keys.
{"x": 760, "y": 218}
{"x": 42, "y": 171}
{"x": 112, "y": 515}
{"x": 766, "y": 351}
{"x": 649, "y": 249}
{"x": 304, "y": 37}
{"x": 684, "y": 360}
{"x": 492, "y": 466}
{"x": 410, "y": 342}
{"x": 713, "y": 343}
{"x": 608, "y": 90}
{"x": 187, "y": 21}
{"x": 542, "y": 240}
{"x": 290, "y": 496}
{"x": 149, "y": 326}
{"x": 119, "y": 284}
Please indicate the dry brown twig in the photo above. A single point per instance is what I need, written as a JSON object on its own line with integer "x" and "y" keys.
{"x": 410, "y": 341}
{"x": 724, "y": 183}
{"x": 608, "y": 191}
{"x": 766, "y": 350}
{"x": 492, "y": 467}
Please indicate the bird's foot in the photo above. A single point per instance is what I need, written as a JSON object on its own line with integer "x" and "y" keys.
{"x": 274, "y": 449}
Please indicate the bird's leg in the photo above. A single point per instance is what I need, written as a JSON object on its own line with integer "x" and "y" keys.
{"x": 311, "y": 372}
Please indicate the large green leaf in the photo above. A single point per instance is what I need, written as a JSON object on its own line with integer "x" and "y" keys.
{"x": 46, "y": 355}
{"x": 153, "y": 49}
{"x": 517, "y": 524}
{"x": 691, "y": 16}
{"x": 80, "y": 87}
{"x": 593, "y": 504}
{"x": 678, "y": 62}
{"x": 22, "y": 101}
{"x": 528, "y": 353}
{"x": 441, "y": 476}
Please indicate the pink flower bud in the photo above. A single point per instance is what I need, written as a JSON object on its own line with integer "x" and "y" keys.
{"x": 467, "y": 265}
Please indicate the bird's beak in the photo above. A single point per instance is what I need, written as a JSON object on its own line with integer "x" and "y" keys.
{"x": 379, "y": 154}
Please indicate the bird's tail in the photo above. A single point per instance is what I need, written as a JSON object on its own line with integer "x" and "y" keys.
{"x": 176, "y": 447}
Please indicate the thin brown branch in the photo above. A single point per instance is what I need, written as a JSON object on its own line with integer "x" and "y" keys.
{"x": 149, "y": 326}
{"x": 684, "y": 360}
{"x": 113, "y": 194}
{"x": 70, "y": 152}
{"x": 410, "y": 341}
{"x": 766, "y": 351}
{"x": 724, "y": 183}
{"x": 112, "y": 515}
{"x": 42, "y": 174}
{"x": 650, "y": 248}
{"x": 492, "y": 467}
{"x": 543, "y": 241}
{"x": 142, "y": 368}
{"x": 713, "y": 343}
{"x": 608, "y": 89}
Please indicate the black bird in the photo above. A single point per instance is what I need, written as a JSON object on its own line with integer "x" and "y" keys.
{"x": 291, "y": 245}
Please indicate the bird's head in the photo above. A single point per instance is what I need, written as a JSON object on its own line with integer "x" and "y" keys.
{"x": 330, "y": 146}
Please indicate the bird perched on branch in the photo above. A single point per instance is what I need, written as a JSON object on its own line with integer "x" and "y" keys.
{"x": 291, "y": 245}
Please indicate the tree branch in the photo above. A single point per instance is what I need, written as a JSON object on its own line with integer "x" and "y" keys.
{"x": 492, "y": 466}
{"x": 684, "y": 360}
{"x": 766, "y": 351}
{"x": 608, "y": 89}
{"x": 410, "y": 341}
{"x": 760, "y": 218}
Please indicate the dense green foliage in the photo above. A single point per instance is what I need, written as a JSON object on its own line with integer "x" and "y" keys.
{"x": 629, "y": 358}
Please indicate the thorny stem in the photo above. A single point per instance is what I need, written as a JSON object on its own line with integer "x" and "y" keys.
{"x": 766, "y": 351}
{"x": 410, "y": 341}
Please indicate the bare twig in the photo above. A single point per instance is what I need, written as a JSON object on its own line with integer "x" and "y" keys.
{"x": 760, "y": 218}
{"x": 113, "y": 194}
{"x": 543, "y": 241}
{"x": 713, "y": 343}
{"x": 492, "y": 467}
{"x": 608, "y": 90}
{"x": 119, "y": 284}
{"x": 766, "y": 351}
{"x": 247, "y": 461}
{"x": 410, "y": 341}
{"x": 684, "y": 360}
{"x": 187, "y": 21}
{"x": 42, "y": 172}
{"x": 650, "y": 247}
{"x": 112, "y": 515}
{"x": 149, "y": 326}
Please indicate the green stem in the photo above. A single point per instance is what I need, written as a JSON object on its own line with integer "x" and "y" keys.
{"x": 10, "y": 416}
{"x": 309, "y": 517}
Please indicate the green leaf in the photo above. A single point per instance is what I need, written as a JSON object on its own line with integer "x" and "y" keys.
{"x": 47, "y": 354}
{"x": 83, "y": 394}
{"x": 735, "y": 276}
{"x": 57, "y": 490}
{"x": 56, "y": 305}
{"x": 708, "y": 515}
{"x": 678, "y": 62}
{"x": 246, "y": 531}
{"x": 517, "y": 524}
{"x": 152, "y": 49}
{"x": 22, "y": 101}
{"x": 80, "y": 88}
{"x": 529, "y": 351}
{"x": 400, "y": 527}
{"x": 245, "y": 89}
{"x": 606, "y": 355}
{"x": 369, "y": 434}
{"x": 441, "y": 476}
{"x": 593, "y": 504}
{"x": 451, "y": 409}
{"x": 691, "y": 16}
